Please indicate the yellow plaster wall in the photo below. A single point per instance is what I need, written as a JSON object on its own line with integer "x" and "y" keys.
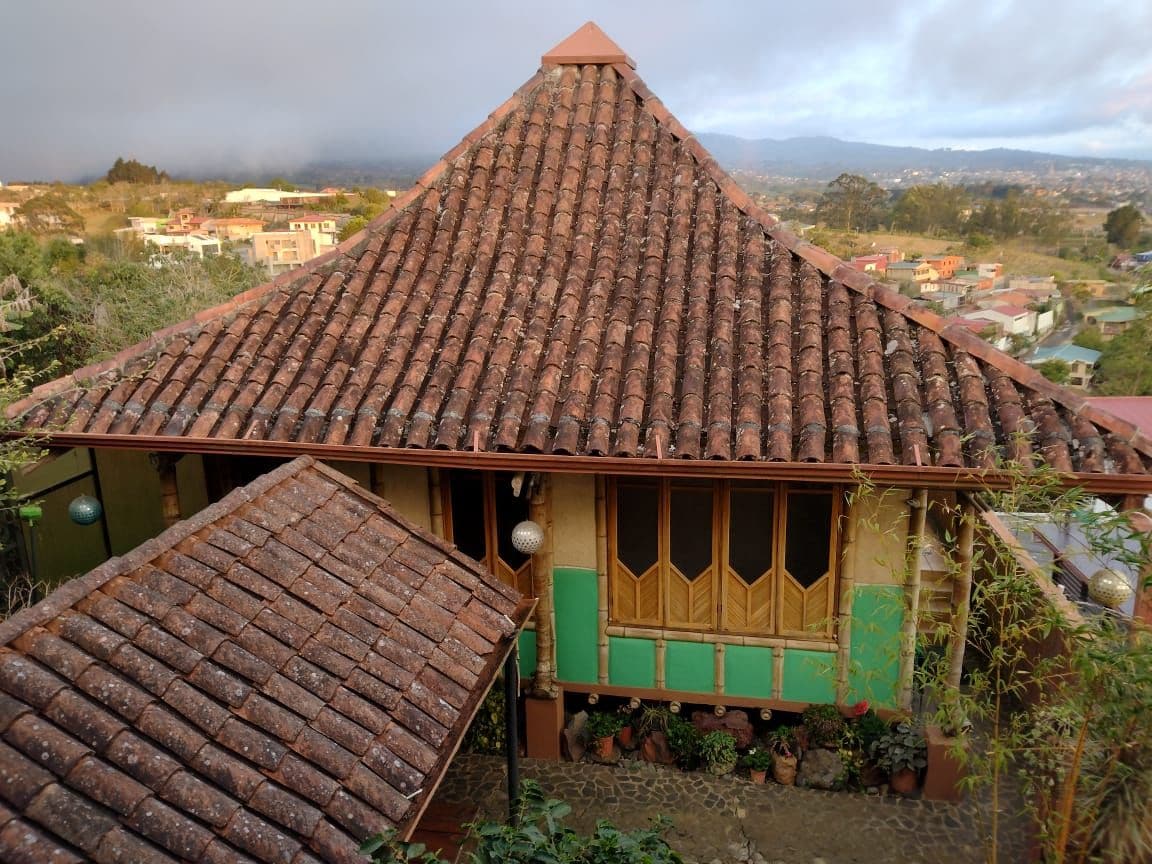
{"x": 881, "y": 537}
{"x": 574, "y": 520}
{"x": 405, "y": 487}
{"x": 361, "y": 472}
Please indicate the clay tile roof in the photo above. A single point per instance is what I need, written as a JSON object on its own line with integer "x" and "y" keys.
{"x": 578, "y": 277}
{"x": 589, "y": 44}
{"x": 272, "y": 680}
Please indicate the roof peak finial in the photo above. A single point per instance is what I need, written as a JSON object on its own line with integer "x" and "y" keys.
{"x": 589, "y": 44}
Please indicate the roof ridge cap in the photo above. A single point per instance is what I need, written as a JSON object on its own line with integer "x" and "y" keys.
{"x": 72, "y": 592}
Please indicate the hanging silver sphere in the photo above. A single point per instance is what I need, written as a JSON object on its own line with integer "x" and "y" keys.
{"x": 1109, "y": 588}
{"x": 84, "y": 510}
{"x": 528, "y": 537}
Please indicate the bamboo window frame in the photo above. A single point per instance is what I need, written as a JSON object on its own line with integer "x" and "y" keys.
{"x": 520, "y": 577}
{"x": 783, "y": 606}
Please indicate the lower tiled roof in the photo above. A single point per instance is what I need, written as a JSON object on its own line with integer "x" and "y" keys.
{"x": 578, "y": 277}
{"x": 271, "y": 680}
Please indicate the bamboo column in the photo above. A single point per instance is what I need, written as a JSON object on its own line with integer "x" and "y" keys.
{"x": 718, "y": 669}
{"x": 661, "y": 664}
{"x": 165, "y": 465}
{"x": 777, "y": 672}
{"x": 961, "y": 597}
{"x": 540, "y": 512}
{"x": 847, "y": 593}
{"x": 436, "y": 502}
{"x": 601, "y": 580}
{"x": 917, "y": 516}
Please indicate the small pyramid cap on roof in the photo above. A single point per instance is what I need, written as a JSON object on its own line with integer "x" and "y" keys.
{"x": 589, "y": 44}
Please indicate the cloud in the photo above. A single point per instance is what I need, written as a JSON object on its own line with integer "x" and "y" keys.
{"x": 275, "y": 82}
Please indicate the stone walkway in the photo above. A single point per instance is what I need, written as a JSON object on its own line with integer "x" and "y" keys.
{"x": 732, "y": 821}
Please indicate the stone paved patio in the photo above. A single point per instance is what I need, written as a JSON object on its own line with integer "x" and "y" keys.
{"x": 728, "y": 819}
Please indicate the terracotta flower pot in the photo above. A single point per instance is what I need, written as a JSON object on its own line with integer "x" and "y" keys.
{"x": 757, "y": 776}
{"x": 624, "y": 736}
{"x": 904, "y": 781}
{"x": 605, "y": 746}
{"x": 784, "y": 769}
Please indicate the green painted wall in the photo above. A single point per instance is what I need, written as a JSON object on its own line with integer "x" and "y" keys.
{"x": 748, "y": 671}
{"x": 527, "y": 653}
{"x": 574, "y": 596}
{"x": 874, "y": 670}
{"x": 809, "y": 676}
{"x": 631, "y": 662}
{"x": 690, "y": 666}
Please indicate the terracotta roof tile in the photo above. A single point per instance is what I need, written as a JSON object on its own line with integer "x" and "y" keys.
{"x": 147, "y": 713}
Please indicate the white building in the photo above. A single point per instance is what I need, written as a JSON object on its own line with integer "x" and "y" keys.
{"x": 1013, "y": 320}
{"x": 199, "y": 245}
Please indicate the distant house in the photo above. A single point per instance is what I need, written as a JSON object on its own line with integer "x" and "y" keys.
{"x": 200, "y": 245}
{"x": 280, "y": 251}
{"x": 1112, "y": 320}
{"x": 975, "y": 279}
{"x": 871, "y": 263}
{"x": 234, "y": 228}
{"x": 275, "y": 196}
{"x": 990, "y": 271}
{"x": 945, "y": 265}
{"x": 1019, "y": 283}
{"x": 1123, "y": 261}
{"x": 323, "y": 228}
{"x": 1137, "y": 410}
{"x": 1143, "y": 257}
{"x": 911, "y": 271}
{"x": 1016, "y": 320}
{"x": 1081, "y": 362}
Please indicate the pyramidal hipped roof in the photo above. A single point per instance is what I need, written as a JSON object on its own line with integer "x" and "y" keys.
{"x": 579, "y": 278}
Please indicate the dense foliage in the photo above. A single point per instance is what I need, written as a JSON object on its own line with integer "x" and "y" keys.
{"x": 1123, "y": 225}
{"x": 88, "y": 305}
{"x": 537, "y": 835}
{"x": 131, "y": 171}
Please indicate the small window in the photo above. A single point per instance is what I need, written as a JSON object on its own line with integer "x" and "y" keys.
{"x": 482, "y": 510}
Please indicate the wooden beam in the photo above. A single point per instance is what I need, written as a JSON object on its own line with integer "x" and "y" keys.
{"x": 165, "y": 464}
{"x": 540, "y": 512}
{"x": 847, "y": 594}
{"x": 436, "y": 502}
{"x": 961, "y": 598}
{"x": 917, "y": 517}
{"x": 601, "y": 580}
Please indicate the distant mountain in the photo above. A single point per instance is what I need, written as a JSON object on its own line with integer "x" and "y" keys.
{"x": 822, "y": 158}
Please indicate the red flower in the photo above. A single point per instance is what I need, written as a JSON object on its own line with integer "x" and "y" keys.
{"x": 860, "y": 708}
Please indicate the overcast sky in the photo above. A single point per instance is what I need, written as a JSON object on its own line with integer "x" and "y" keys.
{"x": 267, "y": 84}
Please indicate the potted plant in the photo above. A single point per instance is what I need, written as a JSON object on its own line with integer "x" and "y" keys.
{"x": 602, "y": 727}
{"x": 870, "y": 729}
{"x": 624, "y": 736}
{"x": 902, "y": 752}
{"x": 683, "y": 740}
{"x": 782, "y": 743}
{"x": 718, "y": 752}
{"x": 825, "y": 726}
{"x": 757, "y": 761}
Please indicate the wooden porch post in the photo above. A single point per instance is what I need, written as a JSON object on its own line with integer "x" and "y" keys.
{"x": 165, "y": 465}
{"x": 540, "y": 512}
{"x": 961, "y": 598}
{"x": 847, "y": 593}
{"x": 601, "y": 581}
{"x": 916, "y": 519}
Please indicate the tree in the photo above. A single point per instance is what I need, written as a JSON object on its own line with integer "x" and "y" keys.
{"x": 1125, "y": 365}
{"x": 131, "y": 171}
{"x": 931, "y": 209}
{"x": 851, "y": 202}
{"x": 356, "y": 223}
{"x": 1090, "y": 338}
{"x": 1055, "y": 370}
{"x": 1122, "y": 226}
{"x": 49, "y": 214}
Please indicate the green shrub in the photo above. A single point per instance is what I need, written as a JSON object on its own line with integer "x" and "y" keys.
{"x": 683, "y": 740}
{"x": 537, "y": 835}
{"x": 825, "y": 725}
{"x": 902, "y": 747}
{"x": 603, "y": 724}
{"x": 717, "y": 749}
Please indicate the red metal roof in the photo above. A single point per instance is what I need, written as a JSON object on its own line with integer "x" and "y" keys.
{"x": 1137, "y": 410}
{"x": 274, "y": 679}
{"x": 579, "y": 278}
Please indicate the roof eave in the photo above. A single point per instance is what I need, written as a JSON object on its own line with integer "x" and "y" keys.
{"x": 926, "y": 476}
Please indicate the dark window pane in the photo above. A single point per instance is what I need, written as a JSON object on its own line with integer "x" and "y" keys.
{"x": 510, "y": 511}
{"x": 467, "y": 491}
{"x": 809, "y": 533}
{"x": 750, "y": 533}
{"x": 690, "y": 534}
{"x": 637, "y": 526}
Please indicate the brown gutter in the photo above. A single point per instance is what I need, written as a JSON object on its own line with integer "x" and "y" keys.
{"x": 813, "y": 472}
